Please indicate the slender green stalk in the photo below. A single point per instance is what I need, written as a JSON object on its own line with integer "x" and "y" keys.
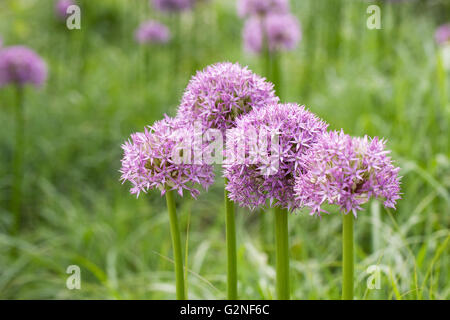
{"x": 195, "y": 43}
{"x": 146, "y": 69}
{"x": 16, "y": 197}
{"x": 347, "y": 257}
{"x": 376, "y": 239}
{"x": 176, "y": 47}
{"x": 263, "y": 225}
{"x": 267, "y": 63}
{"x": 186, "y": 256}
{"x": 267, "y": 56}
{"x": 282, "y": 253}
{"x": 376, "y": 227}
{"x": 231, "y": 248}
{"x": 176, "y": 244}
{"x": 276, "y": 73}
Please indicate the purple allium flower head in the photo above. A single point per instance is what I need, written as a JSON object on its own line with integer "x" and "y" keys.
{"x": 442, "y": 34}
{"x": 251, "y": 183}
{"x": 172, "y": 5}
{"x": 281, "y": 31}
{"x": 20, "y": 65}
{"x": 217, "y": 95}
{"x": 152, "y": 32}
{"x": 261, "y": 7}
{"x": 149, "y": 161}
{"x": 61, "y": 8}
{"x": 347, "y": 171}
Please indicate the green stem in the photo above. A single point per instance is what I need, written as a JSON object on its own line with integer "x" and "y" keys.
{"x": 267, "y": 64}
{"x": 266, "y": 53}
{"x": 276, "y": 73}
{"x": 149, "y": 72}
{"x": 176, "y": 43}
{"x": 195, "y": 38}
{"x": 16, "y": 197}
{"x": 176, "y": 244}
{"x": 263, "y": 227}
{"x": 231, "y": 248}
{"x": 347, "y": 257}
{"x": 375, "y": 222}
{"x": 282, "y": 253}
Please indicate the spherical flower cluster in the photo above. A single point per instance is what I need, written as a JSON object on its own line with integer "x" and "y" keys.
{"x": 152, "y": 32}
{"x": 216, "y": 96}
{"x": 279, "y": 31}
{"x": 261, "y": 7}
{"x": 61, "y": 8}
{"x": 20, "y": 65}
{"x": 172, "y": 5}
{"x": 150, "y": 161}
{"x": 251, "y": 183}
{"x": 442, "y": 34}
{"x": 347, "y": 171}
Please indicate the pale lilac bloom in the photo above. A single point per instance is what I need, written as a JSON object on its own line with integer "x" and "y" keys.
{"x": 172, "y": 5}
{"x": 61, "y": 7}
{"x": 20, "y": 65}
{"x": 152, "y": 32}
{"x": 442, "y": 34}
{"x": 149, "y": 160}
{"x": 250, "y": 184}
{"x": 217, "y": 95}
{"x": 277, "y": 31}
{"x": 347, "y": 171}
{"x": 261, "y": 7}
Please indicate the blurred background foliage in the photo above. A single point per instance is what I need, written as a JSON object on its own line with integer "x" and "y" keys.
{"x": 103, "y": 86}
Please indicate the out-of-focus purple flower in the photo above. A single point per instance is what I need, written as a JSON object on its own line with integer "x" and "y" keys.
{"x": 217, "y": 95}
{"x": 279, "y": 31}
{"x": 149, "y": 161}
{"x": 261, "y": 7}
{"x": 347, "y": 171}
{"x": 61, "y": 8}
{"x": 251, "y": 183}
{"x": 152, "y": 32}
{"x": 442, "y": 34}
{"x": 253, "y": 35}
{"x": 172, "y": 5}
{"x": 20, "y": 65}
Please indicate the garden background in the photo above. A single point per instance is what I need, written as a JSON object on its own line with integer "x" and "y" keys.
{"x": 102, "y": 86}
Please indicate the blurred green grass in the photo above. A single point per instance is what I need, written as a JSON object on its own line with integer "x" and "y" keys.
{"x": 385, "y": 83}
